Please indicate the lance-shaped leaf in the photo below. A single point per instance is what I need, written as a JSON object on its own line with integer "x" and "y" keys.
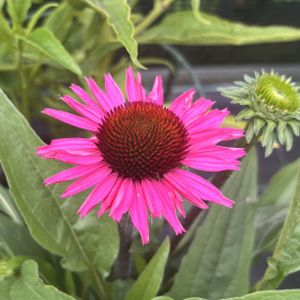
{"x": 18, "y": 10}
{"x": 185, "y": 28}
{"x": 44, "y": 40}
{"x": 118, "y": 13}
{"x": 286, "y": 256}
{"x": 88, "y": 243}
{"x": 148, "y": 283}
{"x": 218, "y": 261}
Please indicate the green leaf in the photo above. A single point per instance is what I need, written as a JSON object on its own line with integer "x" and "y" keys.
{"x": 274, "y": 205}
{"x": 60, "y": 20}
{"x": 148, "y": 283}
{"x": 5, "y": 286}
{"x": 270, "y": 295}
{"x": 118, "y": 13}
{"x": 18, "y": 9}
{"x": 29, "y": 286}
{"x": 183, "y": 28}
{"x": 45, "y": 41}
{"x": 20, "y": 243}
{"x": 7, "y": 205}
{"x": 218, "y": 261}
{"x": 286, "y": 257}
{"x": 87, "y": 243}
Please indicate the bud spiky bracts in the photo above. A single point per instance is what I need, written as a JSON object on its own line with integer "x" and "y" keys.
{"x": 272, "y": 108}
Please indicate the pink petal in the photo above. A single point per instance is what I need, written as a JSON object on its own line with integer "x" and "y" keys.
{"x": 214, "y": 159}
{"x": 199, "y": 107}
{"x": 70, "y": 174}
{"x": 82, "y": 109}
{"x": 71, "y": 119}
{"x": 212, "y": 119}
{"x": 84, "y": 96}
{"x": 113, "y": 91}
{"x": 84, "y": 183}
{"x": 156, "y": 94}
{"x": 102, "y": 189}
{"x": 134, "y": 88}
{"x": 103, "y": 100}
{"x": 212, "y": 136}
{"x": 194, "y": 187}
{"x": 169, "y": 211}
{"x": 182, "y": 103}
{"x": 121, "y": 202}
{"x": 138, "y": 213}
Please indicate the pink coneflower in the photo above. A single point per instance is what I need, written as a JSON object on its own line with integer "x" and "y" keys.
{"x": 138, "y": 156}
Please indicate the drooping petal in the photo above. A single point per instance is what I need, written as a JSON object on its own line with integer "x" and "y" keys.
{"x": 113, "y": 91}
{"x": 195, "y": 188}
{"x": 214, "y": 159}
{"x": 82, "y": 109}
{"x": 121, "y": 202}
{"x": 71, "y": 119}
{"x": 138, "y": 213}
{"x": 169, "y": 211}
{"x": 156, "y": 95}
{"x": 70, "y": 174}
{"x": 84, "y": 183}
{"x": 182, "y": 103}
{"x": 102, "y": 190}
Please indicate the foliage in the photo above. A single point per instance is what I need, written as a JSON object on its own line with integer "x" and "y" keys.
{"x": 46, "y": 251}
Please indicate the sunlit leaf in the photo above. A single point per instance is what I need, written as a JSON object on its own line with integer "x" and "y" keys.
{"x": 183, "y": 28}
{"x": 118, "y": 17}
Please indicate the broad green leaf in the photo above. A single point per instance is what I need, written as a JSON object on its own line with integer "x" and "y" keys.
{"x": 218, "y": 261}
{"x": 29, "y": 286}
{"x": 60, "y": 20}
{"x": 148, "y": 283}
{"x": 5, "y": 286}
{"x": 183, "y": 28}
{"x": 270, "y": 295}
{"x": 273, "y": 204}
{"x": 88, "y": 243}
{"x": 286, "y": 256}
{"x": 18, "y": 9}
{"x": 8, "y": 54}
{"x": 7, "y": 205}
{"x": 118, "y": 17}
{"x": 45, "y": 41}
{"x": 20, "y": 243}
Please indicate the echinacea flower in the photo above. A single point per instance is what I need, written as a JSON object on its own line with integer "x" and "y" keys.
{"x": 139, "y": 155}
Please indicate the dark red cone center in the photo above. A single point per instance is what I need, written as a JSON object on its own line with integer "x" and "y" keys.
{"x": 142, "y": 140}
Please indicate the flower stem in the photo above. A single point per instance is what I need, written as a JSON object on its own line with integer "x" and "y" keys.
{"x": 159, "y": 7}
{"x": 218, "y": 180}
{"x": 121, "y": 268}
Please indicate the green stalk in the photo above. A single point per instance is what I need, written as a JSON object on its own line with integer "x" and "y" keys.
{"x": 158, "y": 8}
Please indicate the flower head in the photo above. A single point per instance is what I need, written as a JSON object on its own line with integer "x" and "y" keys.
{"x": 136, "y": 155}
{"x": 272, "y": 108}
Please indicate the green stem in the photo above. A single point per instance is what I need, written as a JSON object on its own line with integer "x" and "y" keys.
{"x": 23, "y": 80}
{"x": 159, "y": 7}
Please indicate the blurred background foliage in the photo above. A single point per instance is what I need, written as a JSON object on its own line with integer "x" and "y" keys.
{"x": 47, "y": 45}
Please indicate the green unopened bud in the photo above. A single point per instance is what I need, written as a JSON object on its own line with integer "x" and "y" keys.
{"x": 272, "y": 108}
